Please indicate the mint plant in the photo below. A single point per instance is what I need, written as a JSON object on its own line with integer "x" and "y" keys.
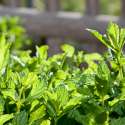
{"x": 114, "y": 40}
{"x": 68, "y": 88}
{"x": 15, "y": 33}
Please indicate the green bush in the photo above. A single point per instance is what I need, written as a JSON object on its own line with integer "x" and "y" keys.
{"x": 72, "y": 5}
{"x": 14, "y": 32}
{"x": 66, "y": 89}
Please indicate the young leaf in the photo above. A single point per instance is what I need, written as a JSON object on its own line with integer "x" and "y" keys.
{"x": 103, "y": 71}
{"x": 42, "y": 52}
{"x": 72, "y": 103}
{"x": 100, "y": 37}
{"x": 5, "y": 118}
{"x": 62, "y": 95}
{"x": 68, "y": 49}
{"x": 37, "y": 114}
{"x": 101, "y": 118}
{"x": 2, "y": 102}
{"x": 20, "y": 118}
{"x": 46, "y": 122}
{"x": 37, "y": 90}
{"x": 119, "y": 121}
{"x": 60, "y": 74}
{"x": 10, "y": 93}
{"x": 4, "y": 51}
{"x": 122, "y": 38}
{"x": 113, "y": 35}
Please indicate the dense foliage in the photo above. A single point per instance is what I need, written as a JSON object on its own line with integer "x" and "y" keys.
{"x": 66, "y": 89}
{"x": 14, "y": 32}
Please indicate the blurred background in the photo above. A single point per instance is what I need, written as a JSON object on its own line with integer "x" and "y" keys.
{"x": 55, "y": 22}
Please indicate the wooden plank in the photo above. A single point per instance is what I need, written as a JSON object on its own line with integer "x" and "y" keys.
{"x": 52, "y": 5}
{"x": 61, "y": 24}
{"x": 92, "y": 7}
{"x": 123, "y": 8}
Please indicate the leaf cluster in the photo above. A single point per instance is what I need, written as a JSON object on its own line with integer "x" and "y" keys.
{"x": 67, "y": 88}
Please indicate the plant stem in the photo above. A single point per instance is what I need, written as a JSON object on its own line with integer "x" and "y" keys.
{"x": 121, "y": 71}
{"x": 18, "y": 106}
{"x": 103, "y": 101}
{"x": 54, "y": 121}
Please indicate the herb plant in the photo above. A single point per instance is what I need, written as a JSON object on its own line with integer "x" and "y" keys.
{"x": 68, "y": 88}
{"x": 11, "y": 27}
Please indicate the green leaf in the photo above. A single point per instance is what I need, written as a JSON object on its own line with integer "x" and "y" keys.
{"x": 68, "y": 49}
{"x": 2, "y": 102}
{"x": 103, "y": 82}
{"x": 62, "y": 95}
{"x": 122, "y": 38}
{"x": 101, "y": 38}
{"x": 4, "y": 52}
{"x": 10, "y": 93}
{"x": 80, "y": 56}
{"x": 114, "y": 38}
{"x": 52, "y": 108}
{"x": 37, "y": 91}
{"x": 119, "y": 107}
{"x": 101, "y": 118}
{"x": 103, "y": 71}
{"x": 5, "y": 118}
{"x": 18, "y": 60}
{"x": 42, "y": 52}
{"x": 60, "y": 74}
{"x": 46, "y": 122}
{"x": 37, "y": 114}
{"x": 20, "y": 118}
{"x": 93, "y": 57}
{"x": 34, "y": 104}
{"x": 72, "y": 103}
{"x": 30, "y": 79}
{"x": 113, "y": 35}
{"x": 119, "y": 121}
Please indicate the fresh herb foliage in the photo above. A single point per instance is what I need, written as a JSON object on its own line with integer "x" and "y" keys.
{"x": 66, "y": 89}
{"x": 14, "y": 32}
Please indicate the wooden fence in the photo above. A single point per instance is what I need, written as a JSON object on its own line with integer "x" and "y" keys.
{"x": 53, "y": 23}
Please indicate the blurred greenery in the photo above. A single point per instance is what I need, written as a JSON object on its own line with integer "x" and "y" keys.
{"x": 14, "y": 32}
{"x": 111, "y": 7}
{"x": 73, "y": 5}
